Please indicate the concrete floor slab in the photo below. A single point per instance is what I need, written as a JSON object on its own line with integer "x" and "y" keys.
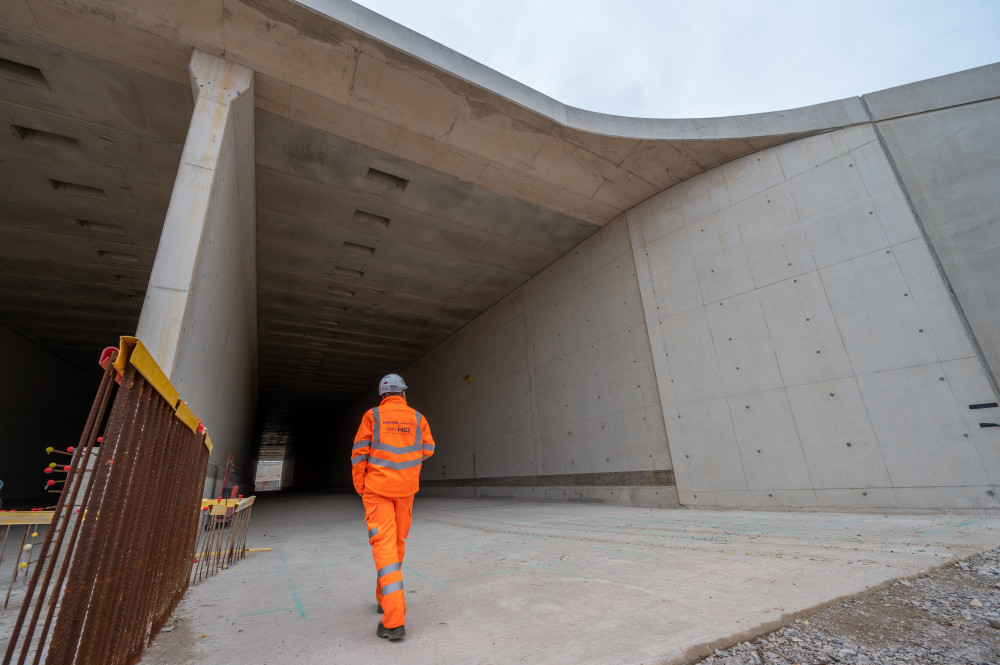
{"x": 495, "y": 581}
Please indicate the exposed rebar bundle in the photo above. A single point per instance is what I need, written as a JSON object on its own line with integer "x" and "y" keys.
{"x": 117, "y": 556}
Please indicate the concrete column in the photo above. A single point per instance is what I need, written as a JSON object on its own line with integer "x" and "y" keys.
{"x": 199, "y": 317}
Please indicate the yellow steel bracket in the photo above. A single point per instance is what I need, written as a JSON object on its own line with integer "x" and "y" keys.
{"x": 16, "y": 517}
{"x": 133, "y": 352}
{"x": 236, "y": 504}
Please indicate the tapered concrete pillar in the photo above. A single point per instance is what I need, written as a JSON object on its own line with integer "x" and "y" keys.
{"x": 199, "y": 319}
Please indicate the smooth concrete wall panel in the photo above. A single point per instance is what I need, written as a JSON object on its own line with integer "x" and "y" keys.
{"x": 776, "y": 244}
{"x": 552, "y": 390}
{"x": 837, "y": 227}
{"x": 837, "y": 438}
{"x": 801, "y": 335}
{"x": 887, "y": 200}
{"x": 804, "y": 333}
{"x": 948, "y": 163}
{"x": 707, "y": 456}
{"x": 930, "y": 298}
{"x": 691, "y": 365}
{"x": 724, "y": 268}
{"x": 920, "y": 428}
{"x": 671, "y": 267}
{"x": 690, "y": 201}
{"x": 801, "y": 156}
{"x": 748, "y": 177}
{"x": 43, "y": 402}
{"x": 474, "y": 390}
{"x": 878, "y": 321}
{"x": 742, "y": 344}
{"x": 769, "y": 442}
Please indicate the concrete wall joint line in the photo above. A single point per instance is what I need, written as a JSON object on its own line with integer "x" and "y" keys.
{"x": 785, "y": 382}
{"x": 854, "y": 372}
{"x": 532, "y": 400}
{"x": 649, "y": 343}
{"x": 933, "y": 251}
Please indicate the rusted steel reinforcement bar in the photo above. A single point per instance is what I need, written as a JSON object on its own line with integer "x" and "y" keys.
{"x": 116, "y": 558}
{"x": 55, "y": 543}
{"x": 224, "y": 526}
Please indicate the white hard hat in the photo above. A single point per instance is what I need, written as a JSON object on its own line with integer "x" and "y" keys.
{"x": 391, "y": 383}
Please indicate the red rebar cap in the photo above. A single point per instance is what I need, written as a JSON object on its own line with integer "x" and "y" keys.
{"x": 107, "y": 356}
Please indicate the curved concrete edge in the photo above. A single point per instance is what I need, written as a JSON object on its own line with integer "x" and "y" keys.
{"x": 806, "y": 120}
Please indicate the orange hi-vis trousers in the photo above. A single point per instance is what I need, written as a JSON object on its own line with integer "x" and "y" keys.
{"x": 388, "y": 520}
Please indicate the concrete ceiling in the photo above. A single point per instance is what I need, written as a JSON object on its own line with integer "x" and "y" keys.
{"x": 402, "y": 189}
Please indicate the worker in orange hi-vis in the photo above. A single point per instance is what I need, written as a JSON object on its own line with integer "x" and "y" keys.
{"x": 392, "y": 442}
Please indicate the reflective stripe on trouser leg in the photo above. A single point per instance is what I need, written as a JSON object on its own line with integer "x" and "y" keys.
{"x": 390, "y": 519}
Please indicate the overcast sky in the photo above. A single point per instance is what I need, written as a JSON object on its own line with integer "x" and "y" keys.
{"x": 704, "y": 58}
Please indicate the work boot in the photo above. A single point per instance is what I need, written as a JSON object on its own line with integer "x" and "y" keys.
{"x": 396, "y": 633}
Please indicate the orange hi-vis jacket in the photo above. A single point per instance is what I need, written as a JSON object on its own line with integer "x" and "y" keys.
{"x": 391, "y": 444}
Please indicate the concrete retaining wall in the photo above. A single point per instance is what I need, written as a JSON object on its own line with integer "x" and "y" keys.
{"x": 551, "y": 393}
{"x": 807, "y": 351}
{"x": 947, "y": 158}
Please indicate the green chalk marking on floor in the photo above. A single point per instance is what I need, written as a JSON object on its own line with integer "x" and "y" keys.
{"x": 422, "y": 576}
{"x": 953, "y": 526}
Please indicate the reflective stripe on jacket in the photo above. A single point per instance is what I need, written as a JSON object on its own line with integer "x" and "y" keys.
{"x": 391, "y": 443}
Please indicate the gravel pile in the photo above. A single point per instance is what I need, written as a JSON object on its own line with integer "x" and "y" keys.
{"x": 950, "y": 616}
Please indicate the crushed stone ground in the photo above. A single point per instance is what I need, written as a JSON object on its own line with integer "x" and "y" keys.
{"x": 949, "y": 616}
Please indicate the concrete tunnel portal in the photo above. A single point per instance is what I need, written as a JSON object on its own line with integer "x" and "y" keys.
{"x": 787, "y": 310}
